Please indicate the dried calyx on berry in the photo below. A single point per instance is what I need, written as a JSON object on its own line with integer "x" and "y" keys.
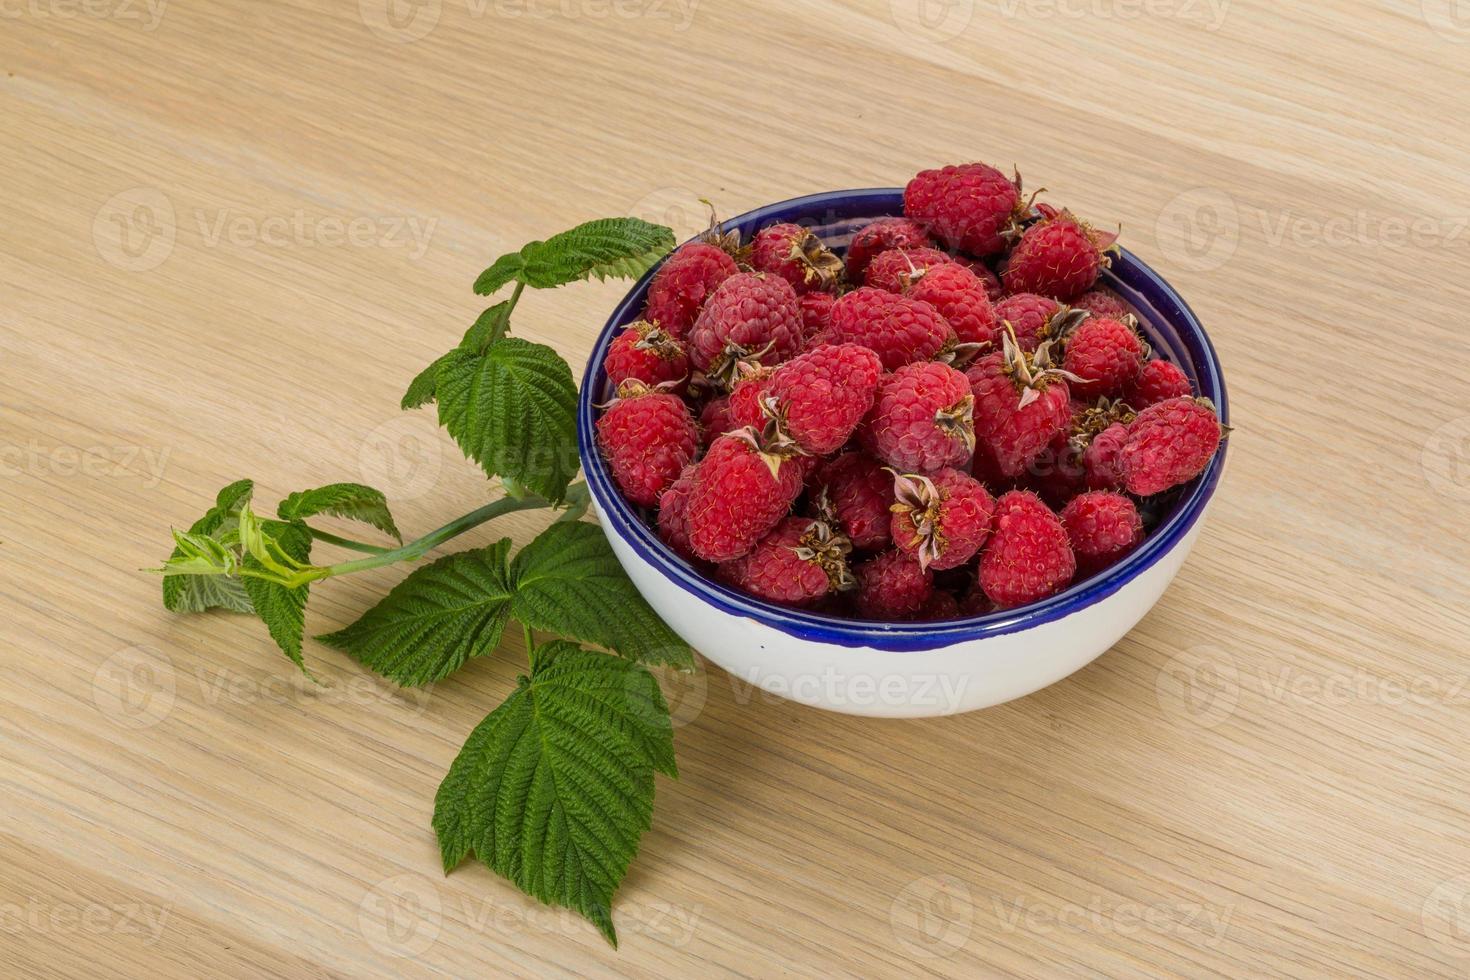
{"x": 1025, "y": 211}
{"x": 726, "y": 241}
{"x": 822, "y": 267}
{"x": 829, "y": 550}
{"x": 656, "y": 340}
{"x": 1089, "y": 422}
{"x": 1030, "y": 372}
{"x": 1106, "y": 242}
{"x": 917, "y": 498}
{"x": 772, "y": 451}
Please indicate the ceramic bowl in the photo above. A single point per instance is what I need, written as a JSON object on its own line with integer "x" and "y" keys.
{"x": 908, "y": 669}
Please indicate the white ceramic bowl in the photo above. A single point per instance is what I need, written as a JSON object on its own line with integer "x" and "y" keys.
{"x": 909, "y": 670}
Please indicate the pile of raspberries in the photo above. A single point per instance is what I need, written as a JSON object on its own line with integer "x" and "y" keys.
{"x": 952, "y": 417}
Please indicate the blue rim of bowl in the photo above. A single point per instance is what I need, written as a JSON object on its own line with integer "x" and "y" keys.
{"x": 1155, "y": 299}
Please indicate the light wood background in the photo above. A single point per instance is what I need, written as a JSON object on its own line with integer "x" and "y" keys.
{"x": 233, "y": 232}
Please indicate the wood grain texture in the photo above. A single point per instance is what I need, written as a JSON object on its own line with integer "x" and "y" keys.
{"x": 232, "y": 233}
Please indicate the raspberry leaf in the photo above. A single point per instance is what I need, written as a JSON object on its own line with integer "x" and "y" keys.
{"x": 282, "y": 610}
{"x": 434, "y": 620}
{"x": 488, "y": 327}
{"x": 197, "y": 593}
{"x": 568, "y": 582}
{"x": 353, "y": 501}
{"x": 554, "y": 789}
{"x": 606, "y": 248}
{"x": 512, "y": 409}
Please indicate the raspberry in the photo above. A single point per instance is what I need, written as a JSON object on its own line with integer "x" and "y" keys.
{"x": 892, "y": 587}
{"x": 1035, "y": 319}
{"x": 1105, "y": 354}
{"x": 751, "y": 314}
{"x": 1021, "y": 403}
{"x": 799, "y": 562}
{"x": 960, "y": 297}
{"x": 648, "y": 438}
{"x": 739, "y": 494}
{"x": 921, "y": 419}
{"x": 1058, "y": 256}
{"x": 714, "y": 418}
{"x": 1028, "y": 557}
{"x": 816, "y": 316}
{"x": 1102, "y": 302}
{"x": 1102, "y": 460}
{"x": 941, "y": 605}
{"x": 993, "y": 289}
{"x": 1168, "y": 444}
{"x": 1158, "y": 381}
{"x": 880, "y": 236}
{"x": 853, "y": 492}
{"x": 645, "y": 353}
{"x": 941, "y": 519}
{"x": 747, "y": 395}
{"x": 1102, "y": 527}
{"x": 894, "y": 269}
{"x": 901, "y": 330}
{"x": 683, "y": 283}
{"x": 968, "y": 207}
{"x": 796, "y": 255}
{"x": 819, "y": 397}
{"x": 673, "y": 505}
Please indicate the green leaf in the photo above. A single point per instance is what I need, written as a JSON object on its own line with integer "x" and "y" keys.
{"x": 568, "y": 582}
{"x": 488, "y": 327}
{"x": 512, "y": 409}
{"x": 434, "y": 620}
{"x": 196, "y": 593}
{"x": 554, "y": 789}
{"x": 350, "y": 500}
{"x": 608, "y": 247}
{"x": 282, "y": 610}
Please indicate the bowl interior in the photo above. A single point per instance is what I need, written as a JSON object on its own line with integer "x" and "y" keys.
{"x": 1166, "y": 321}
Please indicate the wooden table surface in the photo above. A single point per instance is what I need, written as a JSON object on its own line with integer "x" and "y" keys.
{"x": 232, "y": 233}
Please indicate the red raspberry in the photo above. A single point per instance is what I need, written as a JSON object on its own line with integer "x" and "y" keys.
{"x": 1102, "y": 460}
{"x": 942, "y": 519}
{"x": 673, "y": 506}
{"x": 819, "y": 397}
{"x": 892, "y": 587}
{"x": 1168, "y": 444}
{"x": 921, "y": 419}
{"x": 645, "y": 353}
{"x": 796, "y": 255}
{"x": 1058, "y": 256}
{"x": 1035, "y": 319}
{"x": 739, "y": 494}
{"x": 1028, "y": 557}
{"x": 648, "y": 438}
{"x": 1021, "y": 404}
{"x": 960, "y": 297}
{"x": 993, "y": 289}
{"x": 714, "y": 418}
{"x": 1106, "y": 354}
{"x": 799, "y": 562}
{"x": 747, "y": 395}
{"x": 880, "y": 236}
{"x": 968, "y": 207}
{"x": 1102, "y": 301}
{"x": 751, "y": 314}
{"x": 1102, "y": 527}
{"x": 816, "y": 316}
{"x": 683, "y": 283}
{"x": 900, "y": 329}
{"x": 853, "y": 492}
{"x": 941, "y": 605}
{"x": 894, "y": 269}
{"x": 1158, "y": 381}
